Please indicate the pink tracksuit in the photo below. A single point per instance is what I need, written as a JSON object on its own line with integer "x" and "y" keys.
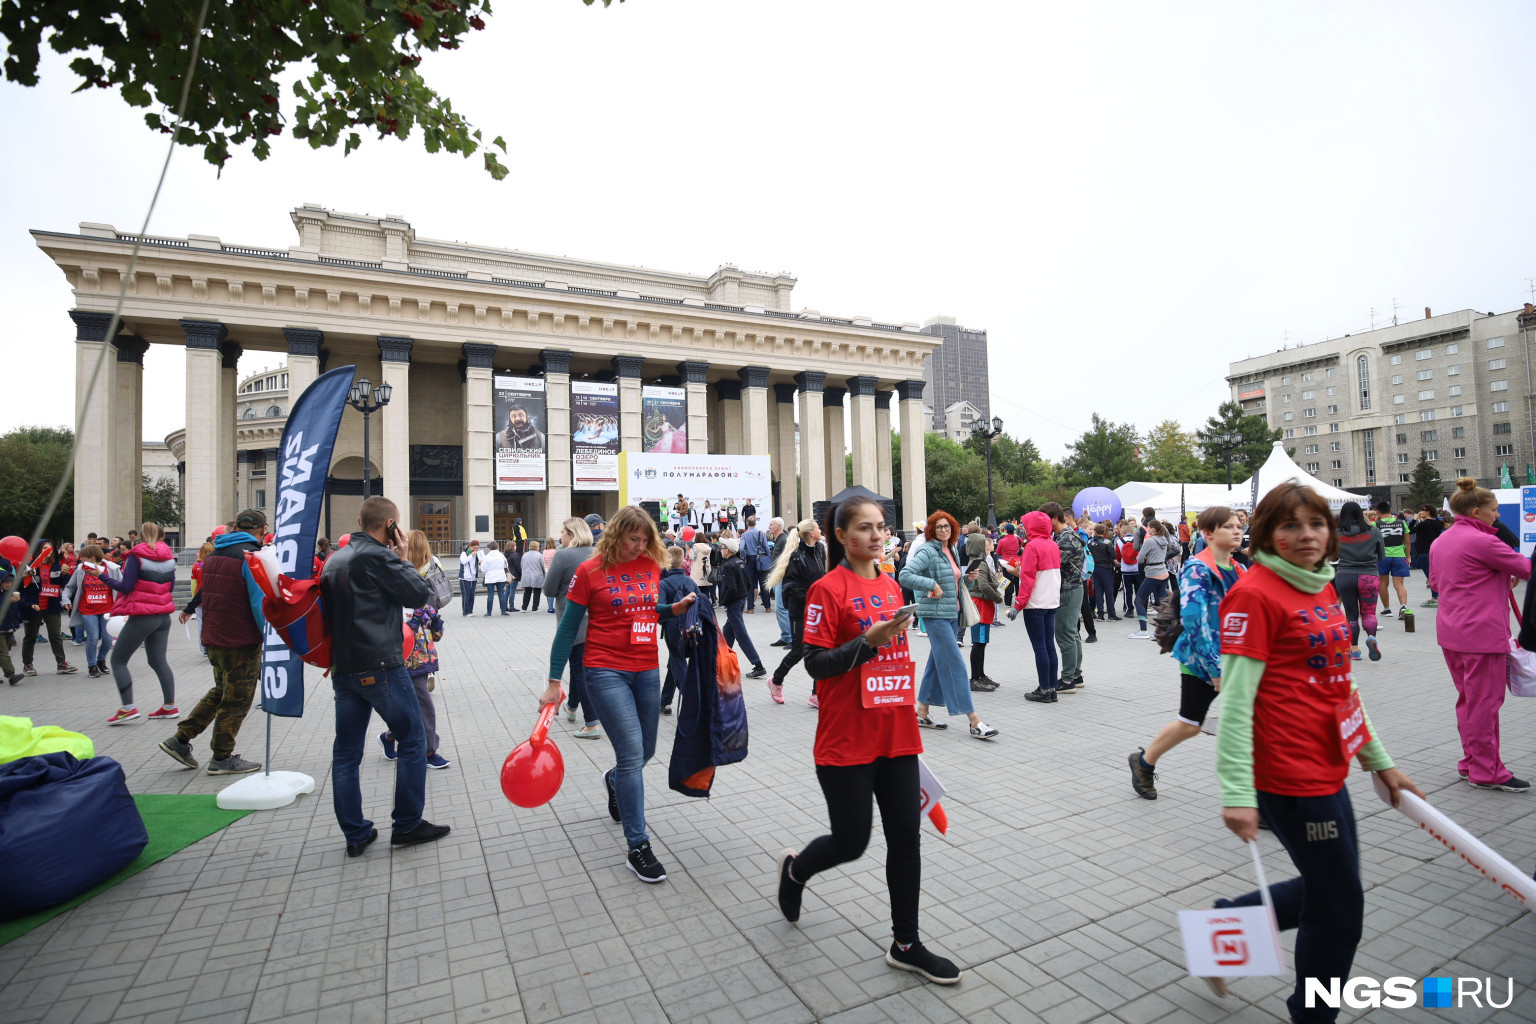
{"x": 1471, "y": 567}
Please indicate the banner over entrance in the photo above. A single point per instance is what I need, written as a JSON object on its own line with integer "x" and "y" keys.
{"x": 520, "y": 417}
{"x": 594, "y": 436}
{"x": 709, "y": 483}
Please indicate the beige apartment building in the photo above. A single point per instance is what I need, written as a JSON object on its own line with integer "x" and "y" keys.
{"x": 438, "y": 320}
{"x": 1360, "y": 409}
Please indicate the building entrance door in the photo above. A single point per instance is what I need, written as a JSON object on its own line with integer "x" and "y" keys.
{"x": 508, "y": 509}
{"x": 435, "y": 519}
{"x": 582, "y": 506}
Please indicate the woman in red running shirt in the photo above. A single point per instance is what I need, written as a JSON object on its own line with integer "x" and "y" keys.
{"x": 866, "y": 735}
{"x": 616, "y": 591}
{"x": 1291, "y": 723}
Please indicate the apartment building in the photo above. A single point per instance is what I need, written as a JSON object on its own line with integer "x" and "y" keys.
{"x": 1360, "y": 409}
{"x": 956, "y": 371}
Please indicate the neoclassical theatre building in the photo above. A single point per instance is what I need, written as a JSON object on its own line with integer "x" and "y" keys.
{"x": 438, "y": 320}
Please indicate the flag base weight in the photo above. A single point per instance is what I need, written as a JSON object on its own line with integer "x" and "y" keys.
{"x": 265, "y": 791}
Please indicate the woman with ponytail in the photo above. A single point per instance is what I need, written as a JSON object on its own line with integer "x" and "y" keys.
{"x": 1474, "y": 571}
{"x": 802, "y": 562}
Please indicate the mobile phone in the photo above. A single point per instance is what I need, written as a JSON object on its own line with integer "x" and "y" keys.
{"x": 906, "y": 609}
{"x": 392, "y": 531}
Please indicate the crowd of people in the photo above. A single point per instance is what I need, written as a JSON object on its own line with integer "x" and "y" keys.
{"x": 1272, "y": 610}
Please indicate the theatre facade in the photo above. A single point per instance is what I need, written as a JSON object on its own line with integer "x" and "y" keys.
{"x": 459, "y": 332}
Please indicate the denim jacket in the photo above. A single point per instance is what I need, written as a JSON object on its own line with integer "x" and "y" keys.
{"x": 1198, "y": 648}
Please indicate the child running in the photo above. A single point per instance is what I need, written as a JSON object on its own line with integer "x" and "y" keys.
{"x": 1203, "y": 582}
{"x": 866, "y": 736}
{"x": 1360, "y": 551}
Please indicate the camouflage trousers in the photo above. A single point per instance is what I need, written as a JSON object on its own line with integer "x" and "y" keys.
{"x": 236, "y": 670}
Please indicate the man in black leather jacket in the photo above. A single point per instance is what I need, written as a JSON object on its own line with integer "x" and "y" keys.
{"x": 365, "y": 586}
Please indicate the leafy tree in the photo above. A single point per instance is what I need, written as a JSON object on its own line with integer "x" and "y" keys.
{"x": 352, "y": 65}
{"x": 1104, "y": 456}
{"x": 1425, "y": 486}
{"x": 1014, "y": 461}
{"x": 1170, "y": 455}
{"x": 162, "y": 502}
{"x": 1249, "y": 455}
{"x": 34, "y": 458}
{"x": 957, "y": 479}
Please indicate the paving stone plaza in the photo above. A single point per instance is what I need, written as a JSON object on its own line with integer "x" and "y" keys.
{"x": 1056, "y": 888}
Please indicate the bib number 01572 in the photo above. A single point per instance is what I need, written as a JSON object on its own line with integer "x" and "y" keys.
{"x": 884, "y": 684}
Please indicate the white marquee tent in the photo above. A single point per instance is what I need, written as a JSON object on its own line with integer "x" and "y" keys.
{"x": 1277, "y": 469}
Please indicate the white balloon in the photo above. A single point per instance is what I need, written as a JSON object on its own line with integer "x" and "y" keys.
{"x": 115, "y": 625}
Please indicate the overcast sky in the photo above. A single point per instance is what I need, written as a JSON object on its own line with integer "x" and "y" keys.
{"x": 1127, "y": 196}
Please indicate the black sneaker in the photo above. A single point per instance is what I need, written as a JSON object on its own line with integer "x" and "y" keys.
{"x": 1142, "y": 776}
{"x": 426, "y": 832}
{"x": 1091, "y": 638}
{"x": 757, "y": 672}
{"x": 790, "y": 890}
{"x": 356, "y": 849}
{"x": 1040, "y": 696}
{"x": 779, "y": 643}
{"x": 234, "y": 764}
{"x": 613, "y": 796}
{"x": 1068, "y": 686}
{"x": 666, "y": 709}
{"x": 16, "y": 678}
{"x": 917, "y": 959}
{"x": 645, "y": 865}
{"x": 1509, "y": 785}
{"x": 179, "y": 751}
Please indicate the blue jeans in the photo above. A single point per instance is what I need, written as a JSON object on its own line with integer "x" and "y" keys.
{"x": 781, "y": 613}
{"x": 1326, "y": 904}
{"x": 629, "y": 705}
{"x": 466, "y": 596}
{"x": 578, "y": 697}
{"x": 1041, "y": 625}
{"x": 946, "y": 680}
{"x": 97, "y": 641}
{"x": 509, "y": 596}
{"x": 1149, "y": 588}
{"x": 735, "y": 631}
{"x": 495, "y": 592}
{"x": 391, "y": 693}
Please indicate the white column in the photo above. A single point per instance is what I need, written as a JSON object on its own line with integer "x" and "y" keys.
{"x": 755, "y": 439}
{"x": 479, "y": 443}
{"x": 694, "y": 373}
{"x": 244, "y": 492}
{"x": 836, "y": 440}
{"x": 786, "y": 466}
{"x": 557, "y": 434}
{"x": 395, "y": 424}
{"x": 914, "y": 480}
{"x": 98, "y": 425}
{"x": 813, "y": 449}
{"x": 861, "y": 413}
{"x": 627, "y": 370}
{"x": 229, "y": 383}
{"x": 729, "y": 393}
{"x": 204, "y": 453}
{"x": 128, "y": 449}
{"x": 306, "y": 353}
{"x": 883, "y": 454}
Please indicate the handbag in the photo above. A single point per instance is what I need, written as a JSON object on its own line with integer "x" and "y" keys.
{"x": 437, "y": 583}
{"x": 1521, "y": 668}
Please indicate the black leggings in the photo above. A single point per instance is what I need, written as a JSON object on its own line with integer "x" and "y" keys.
{"x": 796, "y": 652}
{"x": 1132, "y": 581}
{"x": 532, "y": 593}
{"x": 892, "y": 781}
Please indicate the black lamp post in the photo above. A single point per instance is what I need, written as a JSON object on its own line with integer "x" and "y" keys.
{"x": 359, "y": 398}
{"x": 997, "y": 429}
{"x": 1227, "y": 443}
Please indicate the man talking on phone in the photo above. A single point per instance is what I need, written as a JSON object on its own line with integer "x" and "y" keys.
{"x": 364, "y": 586}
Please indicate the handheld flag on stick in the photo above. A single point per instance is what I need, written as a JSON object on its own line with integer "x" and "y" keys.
{"x": 930, "y": 790}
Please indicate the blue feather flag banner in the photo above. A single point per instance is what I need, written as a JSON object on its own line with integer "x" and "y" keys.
{"x": 304, "y": 462}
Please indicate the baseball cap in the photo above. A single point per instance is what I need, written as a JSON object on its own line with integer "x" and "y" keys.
{"x": 593, "y": 520}
{"x": 252, "y": 520}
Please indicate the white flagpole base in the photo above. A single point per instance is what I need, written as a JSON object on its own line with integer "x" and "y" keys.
{"x": 262, "y": 792}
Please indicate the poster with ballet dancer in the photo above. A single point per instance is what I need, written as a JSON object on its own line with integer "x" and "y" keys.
{"x": 664, "y": 420}
{"x": 594, "y": 435}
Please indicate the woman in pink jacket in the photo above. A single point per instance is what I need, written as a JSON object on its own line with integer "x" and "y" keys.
{"x": 1039, "y": 597}
{"x": 1471, "y": 568}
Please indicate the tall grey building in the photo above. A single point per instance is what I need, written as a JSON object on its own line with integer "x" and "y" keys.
{"x": 956, "y": 371}
{"x": 1360, "y": 409}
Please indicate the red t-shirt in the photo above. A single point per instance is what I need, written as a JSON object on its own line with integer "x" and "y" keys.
{"x": 621, "y": 613}
{"x": 1303, "y": 639}
{"x": 96, "y": 598}
{"x": 839, "y": 607}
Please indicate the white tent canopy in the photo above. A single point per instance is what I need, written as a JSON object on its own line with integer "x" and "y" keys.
{"x": 1277, "y": 469}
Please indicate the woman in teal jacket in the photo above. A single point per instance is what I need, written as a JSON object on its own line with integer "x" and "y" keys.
{"x": 933, "y": 573}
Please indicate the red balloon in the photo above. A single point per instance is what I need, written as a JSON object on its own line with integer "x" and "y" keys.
{"x": 13, "y": 549}
{"x": 220, "y": 530}
{"x": 341, "y": 542}
{"x": 269, "y": 538}
{"x": 531, "y": 775}
{"x": 410, "y": 641}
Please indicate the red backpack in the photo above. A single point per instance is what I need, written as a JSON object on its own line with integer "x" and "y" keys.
{"x": 1128, "y": 553}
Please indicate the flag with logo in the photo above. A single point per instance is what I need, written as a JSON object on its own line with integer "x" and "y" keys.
{"x": 304, "y": 460}
{"x": 1505, "y": 480}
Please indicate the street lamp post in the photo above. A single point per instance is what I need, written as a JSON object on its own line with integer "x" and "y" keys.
{"x": 358, "y": 397}
{"x": 1227, "y": 442}
{"x": 997, "y": 428}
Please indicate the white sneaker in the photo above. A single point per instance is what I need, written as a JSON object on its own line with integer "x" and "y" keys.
{"x": 1140, "y": 634}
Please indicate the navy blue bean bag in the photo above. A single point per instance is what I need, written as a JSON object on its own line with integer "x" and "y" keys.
{"x": 65, "y": 825}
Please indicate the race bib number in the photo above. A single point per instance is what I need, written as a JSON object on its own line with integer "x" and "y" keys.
{"x": 884, "y": 684}
{"x": 642, "y": 633}
{"x": 1353, "y": 732}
